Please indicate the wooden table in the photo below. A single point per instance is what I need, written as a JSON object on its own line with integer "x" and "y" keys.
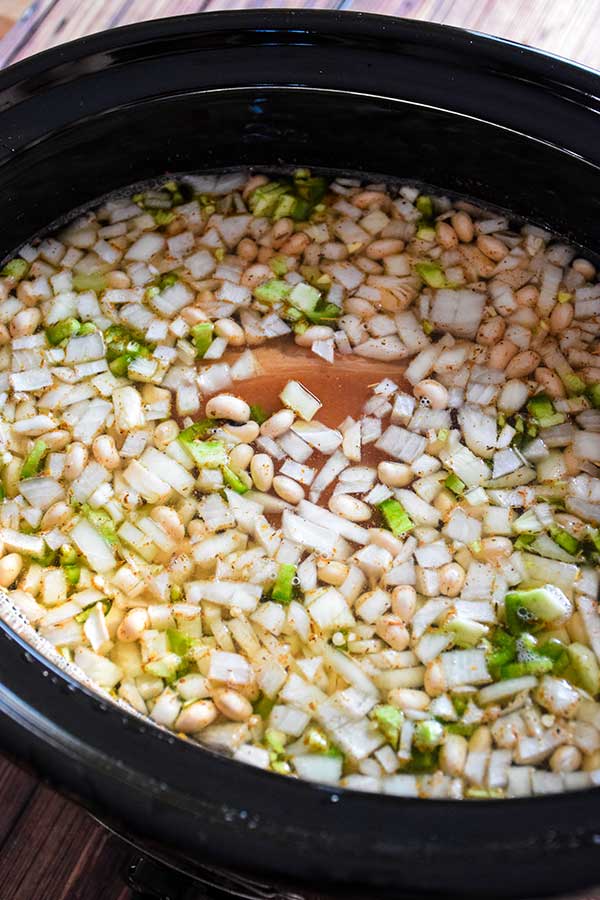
{"x": 49, "y": 848}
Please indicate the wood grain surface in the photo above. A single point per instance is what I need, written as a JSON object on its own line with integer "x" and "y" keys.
{"x": 49, "y": 848}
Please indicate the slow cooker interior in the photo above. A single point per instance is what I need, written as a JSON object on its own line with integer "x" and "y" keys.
{"x": 460, "y": 114}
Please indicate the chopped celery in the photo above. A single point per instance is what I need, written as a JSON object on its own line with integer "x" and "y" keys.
{"x": 272, "y": 291}
{"x": 477, "y": 793}
{"x": 233, "y": 481}
{"x": 542, "y": 410}
{"x": 523, "y": 541}
{"x": 199, "y": 429}
{"x": 206, "y": 454}
{"x": 258, "y": 414}
{"x": 422, "y": 761}
{"x": 316, "y": 740}
{"x": 324, "y": 312}
{"x": 166, "y": 667}
{"x": 278, "y": 266}
{"x": 87, "y": 328}
{"x": 263, "y": 706}
{"x": 557, "y": 652}
{"x": 94, "y": 281}
{"x": 16, "y": 268}
{"x": 389, "y": 721}
{"x": 202, "y": 335}
{"x": 565, "y": 540}
{"x": 466, "y": 632}
{"x": 263, "y": 201}
{"x": 46, "y": 558}
{"x": 162, "y": 216}
{"x": 85, "y": 613}
{"x": 297, "y": 199}
{"x": 280, "y": 766}
{"x": 460, "y": 703}
{"x": 33, "y": 460}
{"x": 454, "y": 483}
{"x": 428, "y": 734}
{"x": 426, "y": 233}
{"x": 179, "y": 643}
{"x": 275, "y": 740}
{"x": 283, "y": 589}
{"x": 425, "y": 206}
{"x": 564, "y": 296}
{"x": 176, "y": 593}
{"x": 62, "y": 330}
{"x": 427, "y": 327}
{"x": 311, "y": 188}
{"x": 167, "y": 280}
{"x": 304, "y": 297}
{"x": 536, "y": 607}
{"x": 585, "y": 667}
{"x": 122, "y": 347}
{"x": 504, "y": 650}
{"x": 70, "y": 564}
{"x": 395, "y": 516}
{"x": 102, "y": 522}
{"x": 462, "y": 728}
{"x": 431, "y": 274}
{"x": 593, "y": 395}
{"x": 573, "y": 383}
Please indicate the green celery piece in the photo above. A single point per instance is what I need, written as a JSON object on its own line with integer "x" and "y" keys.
{"x": 565, "y": 540}
{"x": 85, "y": 613}
{"x": 455, "y": 484}
{"x": 167, "y": 280}
{"x": 593, "y": 395}
{"x": 200, "y": 429}
{"x": 557, "y": 652}
{"x": 431, "y": 273}
{"x": 66, "y": 653}
{"x": 283, "y": 589}
{"x": 70, "y": 564}
{"x": 476, "y": 793}
{"x": 278, "y": 266}
{"x": 304, "y": 297}
{"x": 234, "y": 481}
{"x": 16, "y": 268}
{"x": 167, "y": 667}
{"x": 120, "y": 365}
{"x": 264, "y": 199}
{"x": 311, "y": 188}
{"x": 325, "y": 312}
{"x": 176, "y": 593}
{"x": 537, "y": 665}
{"x": 422, "y": 762}
{"x": 275, "y": 740}
{"x": 62, "y": 330}
{"x": 426, "y": 233}
{"x": 428, "y": 734}
{"x": 287, "y": 206}
{"x": 206, "y": 454}
{"x": 280, "y": 766}
{"x": 102, "y": 522}
{"x": 573, "y": 383}
{"x": 465, "y": 632}
{"x": 202, "y": 336}
{"x": 94, "y": 281}
{"x": 179, "y": 643}
{"x": 389, "y": 721}
{"x": 120, "y": 341}
{"x": 263, "y": 706}
{"x": 524, "y": 540}
{"x": 258, "y": 414}
{"x": 72, "y": 573}
{"x": 461, "y": 728}
{"x": 460, "y": 703}
{"x": 2, "y": 492}
{"x": 585, "y": 667}
{"x": 425, "y": 206}
{"x": 272, "y": 291}
{"x": 541, "y": 407}
{"x": 87, "y": 328}
{"x": 33, "y": 460}
{"x": 46, "y": 558}
{"x": 162, "y": 216}
{"x": 536, "y": 607}
{"x": 395, "y": 516}
{"x": 504, "y": 651}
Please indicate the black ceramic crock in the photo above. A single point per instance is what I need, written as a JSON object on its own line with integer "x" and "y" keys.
{"x": 469, "y": 114}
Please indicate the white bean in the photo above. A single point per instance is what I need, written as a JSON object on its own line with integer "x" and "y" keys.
{"x": 314, "y": 333}
{"x": 492, "y": 247}
{"x": 434, "y": 679}
{"x": 395, "y": 474}
{"x": 262, "y": 471}
{"x": 404, "y": 601}
{"x": 278, "y": 423}
{"x": 383, "y": 538}
{"x": 133, "y": 625}
{"x": 332, "y": 572}
{"x": 393, "y": 631}
{"x": 288, "y": 489}
{"x": 10, "y": 567}
{"x": 25, "y": 322}
{"x": 565, "y": 759}
{"x": 165, "y": 434}
{"x": 522, "y": 364}
{"x": 227, "y": 406}
{"x": 244, "y": 433}
{"x": 452, "y": 579}
{"x": 231, "y": 331}
{"x": 75, "y": 459}
{"x": 350, "y": 508}
{"x": 169, "y": 521}
{"x": 240, "y": 457}
{"x": 463, "y": 226}
{"x": 105, "y": 452}
{"x": 409, "y": 698}
{"x": 232, "y": 705}
{"x": 434, "y": 393}
{"x": 196, "y": 716}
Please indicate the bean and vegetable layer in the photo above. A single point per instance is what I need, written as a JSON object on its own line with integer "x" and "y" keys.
{"x": 391, "y": 589}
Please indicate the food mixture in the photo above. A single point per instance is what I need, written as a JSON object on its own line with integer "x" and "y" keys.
{"x": 309, "y": 473}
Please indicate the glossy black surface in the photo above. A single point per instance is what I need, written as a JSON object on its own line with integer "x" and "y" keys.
{"x": 469, "y": 114}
